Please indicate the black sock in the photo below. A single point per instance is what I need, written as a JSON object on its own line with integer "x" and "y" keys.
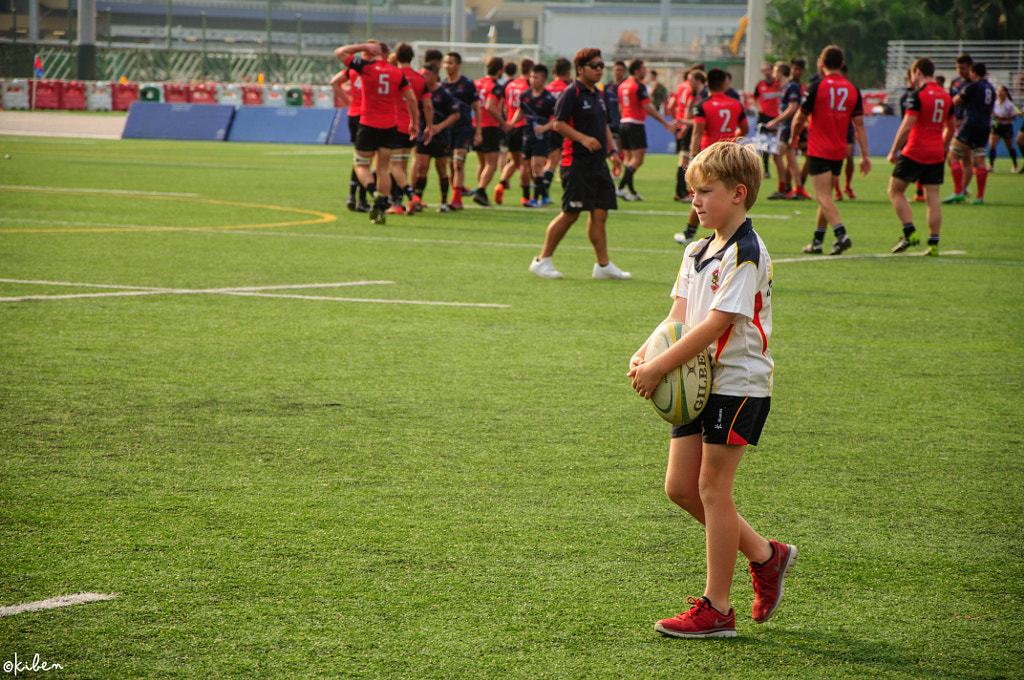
{"x": 840, "y": 231}
{"x": 421, "y": 186}
{"x": 691, "y": 230}
{"x": 627, "y": 177}
{"x": 908, "y": 229}
{"x": 353, "y": 182}
{"x": 992, "y": 156}
{"x": 933, "y": 240}
{"x": 681, "y": 189}
{"x": 526, "y": 192}
{"x": 819, "y": 234}
{"x": 445, "y": 185}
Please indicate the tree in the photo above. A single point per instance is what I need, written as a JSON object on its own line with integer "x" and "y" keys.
{"x": 981, "y": 19}
{"x": 862, "y": 28}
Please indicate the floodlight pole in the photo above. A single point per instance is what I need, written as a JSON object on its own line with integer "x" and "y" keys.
{"x": 298, "y": 34}
{"x": 170, "y": 18}
{"x": 270, "y": 21}
{"x": 33, "y": 21}
{"x": 756, "y": 31}
{"x": 369, "y": 19}
{"x": 87, "y": 40}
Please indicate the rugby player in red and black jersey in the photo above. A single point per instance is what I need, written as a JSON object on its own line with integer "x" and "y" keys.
{"x": 831, "y": 104}
{"x": 919, "y": 152}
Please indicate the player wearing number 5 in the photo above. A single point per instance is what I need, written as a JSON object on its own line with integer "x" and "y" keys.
{"x": 719, "y": 118}
{"x": 384, "y": 87}
{"x": 831, "y": 104}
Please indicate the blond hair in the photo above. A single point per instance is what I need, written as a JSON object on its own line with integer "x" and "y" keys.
{"x": 730, "y": 163}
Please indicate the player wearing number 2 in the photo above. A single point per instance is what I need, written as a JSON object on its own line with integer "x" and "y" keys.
{"x": 831, "y": 104}
{"x": 719, "y": 118}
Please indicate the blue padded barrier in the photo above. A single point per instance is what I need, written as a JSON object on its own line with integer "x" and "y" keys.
{"x": 285, "y": 125}
{"x": 155, "y": 120}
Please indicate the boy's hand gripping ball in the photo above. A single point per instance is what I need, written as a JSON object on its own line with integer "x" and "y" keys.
{"x": 682, "y": 393}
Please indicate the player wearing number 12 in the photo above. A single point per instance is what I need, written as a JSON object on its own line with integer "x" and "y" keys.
{"x": 831, "y": 104}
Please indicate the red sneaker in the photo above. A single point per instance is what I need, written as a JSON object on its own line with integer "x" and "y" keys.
{"x": 415, "y": 205}
{"x": 839, "y": 194}
{"x": 499, "y": 193}
{"x": 799, "y": 194}
{"x": 769, "y": 579}
{"x": 849, "y": 192}
{"x": 702, "y": 621}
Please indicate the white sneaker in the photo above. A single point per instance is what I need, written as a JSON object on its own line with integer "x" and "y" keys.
{"x": 629, "y": 197}
{"x": 610, "y": 271}
{"x": 684, "y": 240}
{"x": 622, "y": 193}
{"x": 637, "y": 197}
{"x": 543, "y": 268}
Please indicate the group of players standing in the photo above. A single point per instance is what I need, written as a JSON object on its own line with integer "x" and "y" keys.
{"x": 395, "y": 110}
{"x": 397, "y": 114}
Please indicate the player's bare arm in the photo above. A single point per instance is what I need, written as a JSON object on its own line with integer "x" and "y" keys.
{"x": 646, "y": 376}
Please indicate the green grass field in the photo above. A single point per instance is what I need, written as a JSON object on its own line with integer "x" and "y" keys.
{"x": 443, "y": 472}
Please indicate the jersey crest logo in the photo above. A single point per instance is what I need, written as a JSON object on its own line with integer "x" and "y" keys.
{"x": 714, "y": 281}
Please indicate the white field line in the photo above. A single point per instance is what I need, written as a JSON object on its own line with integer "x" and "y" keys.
{"x": 250, "y": 291}
{"x": 119, "y": 192}
{"x": 54, "y": 602}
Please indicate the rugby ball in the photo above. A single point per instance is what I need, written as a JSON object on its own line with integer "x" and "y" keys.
{"x": 680, "y": 396}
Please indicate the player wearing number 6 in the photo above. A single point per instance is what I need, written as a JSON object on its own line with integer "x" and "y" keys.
{"x": 919, "y": 152}
{"x": 719, "y": 118}
{"x": 831, "y": 104}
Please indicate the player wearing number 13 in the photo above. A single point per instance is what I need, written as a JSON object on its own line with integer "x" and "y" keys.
{"x": 831, "y": 104}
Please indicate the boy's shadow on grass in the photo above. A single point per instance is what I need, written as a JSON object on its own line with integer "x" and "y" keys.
{"x": 843, "y": 650}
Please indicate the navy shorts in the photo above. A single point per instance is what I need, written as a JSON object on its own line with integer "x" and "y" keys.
{"x": 729, "y": 420}
{"x": 974, "y": 136}
{"x": 585, "y": 188}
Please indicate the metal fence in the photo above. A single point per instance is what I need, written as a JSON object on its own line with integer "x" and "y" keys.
{"x": 1004, "y": 61}
{"x": 138, "y": 63}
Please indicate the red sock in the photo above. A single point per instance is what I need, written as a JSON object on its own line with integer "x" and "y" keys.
{"x": 982, "y": 175}
{"x": 956, "y": 168}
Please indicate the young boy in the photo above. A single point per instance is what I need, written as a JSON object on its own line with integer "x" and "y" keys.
{"x": 723, "y": 292}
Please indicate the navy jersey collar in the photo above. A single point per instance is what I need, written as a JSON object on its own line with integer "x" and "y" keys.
{"x": 698, "y": 254}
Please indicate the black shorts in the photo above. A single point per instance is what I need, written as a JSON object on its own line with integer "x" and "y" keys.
{"x": 585, "y": 188}
{"x": 399, "y": 139}
{"x": 1003, "y": 130}
{"x": 849, "y": 134}
{"x": 729, "y": 420}
{"x": 536, "y": 146}
{"x": 439, "y": 150}
{"x": 556, "y": 141}
{"x": 490, "y": 141}
{"x": 973, "y": 136}
{"x": 819, "y": 166}
{"x": 462, "y": 137}
{"x": 515, "y": 139}
{"x": 369, "y": 139}
{"x": 633, "y": 136}
{"x": 911, "y": 171}
{"x": 353, "y": 128}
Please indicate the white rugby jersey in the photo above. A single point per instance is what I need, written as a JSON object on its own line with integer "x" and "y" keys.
{"x": 737, "y": 279}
